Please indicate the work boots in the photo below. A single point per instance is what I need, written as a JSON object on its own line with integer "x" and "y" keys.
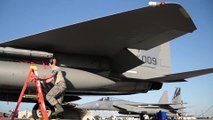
{"x": 58, "y": 109}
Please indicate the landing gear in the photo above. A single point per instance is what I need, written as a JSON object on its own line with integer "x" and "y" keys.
{"x": 144, "y": 116}
{"x": 70, "y": 112}
{"x": 37, "y": 113}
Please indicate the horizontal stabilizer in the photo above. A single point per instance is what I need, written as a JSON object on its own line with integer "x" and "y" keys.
{"x": 180, "y": 108}
{"x": 180, "y": 77}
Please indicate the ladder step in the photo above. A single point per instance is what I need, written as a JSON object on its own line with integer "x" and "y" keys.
{"x": 30, "y": 96}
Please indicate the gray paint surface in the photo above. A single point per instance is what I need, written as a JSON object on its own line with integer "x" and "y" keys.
{"x": 90, "y": 52}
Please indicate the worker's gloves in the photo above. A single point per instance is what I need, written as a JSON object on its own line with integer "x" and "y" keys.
{"x": 34, "y": 77}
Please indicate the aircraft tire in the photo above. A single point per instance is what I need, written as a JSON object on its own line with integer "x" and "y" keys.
{"x": 37, "y": 113}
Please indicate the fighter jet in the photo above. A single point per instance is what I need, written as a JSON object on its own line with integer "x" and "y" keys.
{"x": 129, "y": 107}
{"x": 125, "y": 53}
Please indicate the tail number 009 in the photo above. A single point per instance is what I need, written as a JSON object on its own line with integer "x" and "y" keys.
{"x": 149, "y": 60}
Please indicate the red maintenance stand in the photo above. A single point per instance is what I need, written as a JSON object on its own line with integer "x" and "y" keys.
{"x": 41, "y": 102}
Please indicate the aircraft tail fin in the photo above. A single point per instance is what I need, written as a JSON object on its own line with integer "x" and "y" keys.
{"x": 157, "y": 62}
{"x": 164, "y": 98}
{"x": 177, "y": 96}
{"x": 177, "y": 100}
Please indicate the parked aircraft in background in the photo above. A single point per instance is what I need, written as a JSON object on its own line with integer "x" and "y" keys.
{"x": 129, "y": 107}
{"x": 98, "y": 56}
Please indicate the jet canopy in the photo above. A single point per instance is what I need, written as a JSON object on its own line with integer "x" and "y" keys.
{"x": 108, "y": 99}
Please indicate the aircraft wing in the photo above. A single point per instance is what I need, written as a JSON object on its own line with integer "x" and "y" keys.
{"x": 110, "y": 36}
{"x": 163, "y": 106}
{"x": 152, "y": 104}
{"x": 178, "y": 77}
{"x": 127, "y": 108}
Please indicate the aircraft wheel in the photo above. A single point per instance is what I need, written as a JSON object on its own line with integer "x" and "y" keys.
{"x": 37, "y": 113}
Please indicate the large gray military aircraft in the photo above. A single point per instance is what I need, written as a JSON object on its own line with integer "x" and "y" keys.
{"x": 98, "y": 56}
{"x": 129, "y": 107}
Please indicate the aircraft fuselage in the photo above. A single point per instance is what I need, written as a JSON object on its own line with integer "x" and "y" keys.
{"x": 79, "y": 82}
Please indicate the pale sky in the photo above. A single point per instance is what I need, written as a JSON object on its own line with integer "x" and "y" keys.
{"x": 189, "y": 52}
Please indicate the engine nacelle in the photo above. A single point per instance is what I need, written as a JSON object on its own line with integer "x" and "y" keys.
{"x": 156, "y": 86}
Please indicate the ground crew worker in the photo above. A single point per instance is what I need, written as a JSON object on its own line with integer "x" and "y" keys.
{"x": 58, "y": 89}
